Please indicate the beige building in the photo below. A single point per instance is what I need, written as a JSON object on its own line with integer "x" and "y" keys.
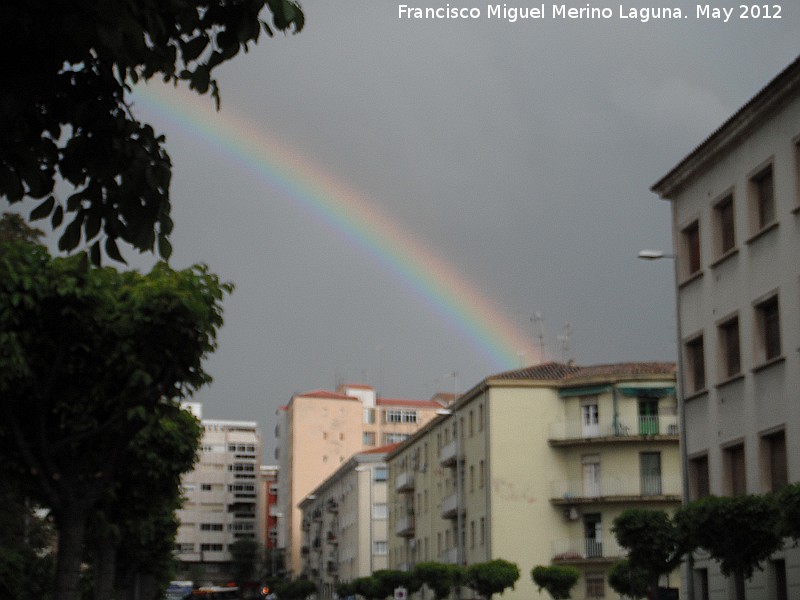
{"x": 344, "y": 522}
{"x": 532, "y": 466}
{"x": 735, "y": 203}
{"x": 320, "y": 430}
{"x": 222, "y": 500}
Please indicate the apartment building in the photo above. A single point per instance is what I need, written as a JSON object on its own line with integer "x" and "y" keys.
{"x": 735, "y": 202}
{"x": 344, "y": 522}
{"x": 318, "y": 431}
{"x": 532, "y": 466}
{"x": 268, "y": 494}
{"x": 221, "y": 498}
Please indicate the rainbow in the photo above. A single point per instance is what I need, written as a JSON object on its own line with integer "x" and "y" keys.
{"x": 434, "y": 282}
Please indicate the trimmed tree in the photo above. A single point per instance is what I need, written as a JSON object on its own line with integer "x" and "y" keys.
{"x": 627, "y": 580}
{"x": 655, "y": 545}
{"x": 739, "y": 532}
{"x": 440, "y": 578}
{"x": 557, "y": 580}
{"x": 85, "y": 355}
{"x": 492, "y": 577}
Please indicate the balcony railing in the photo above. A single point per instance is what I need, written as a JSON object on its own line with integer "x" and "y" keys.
{"x": 565, "y": 491}
{"x": 449, "y": 507}
{"x": 404, "y": 482}
{"x": 579, "y": 549}
{"x": 450, "y": 557}
{"x": 666, "y": 425}
{"x": 447, "y": 455}
{"x": 405, "y": 526}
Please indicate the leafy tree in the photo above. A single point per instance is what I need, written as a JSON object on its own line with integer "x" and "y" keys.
{"x": 26, "y": 565}
{"x": 740, "y": 532}
{"x": 627, "y": 580}
{"x": 85, "y": 355}
{"x": 557, "y": 580}
{"x": 492, "y": 577}
{"x": 789, "y": 502}
{"x": 368, "y": 587}
{"x": 65, "y": 115}
{"x": 13, "y": 228}
{"x": 388, "y": 580}
{"x": 296, "y": 589}
{"x": 245, "y": 556}
{"x": 439, "y": 577}
{"x": 139, "y": 508}
{"x": 655, "y": 545}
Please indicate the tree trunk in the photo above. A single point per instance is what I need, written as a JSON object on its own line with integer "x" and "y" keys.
{"x": 738, "y": 580}
{"x": 71, "y": 532}
{"x": 105, "y": 566}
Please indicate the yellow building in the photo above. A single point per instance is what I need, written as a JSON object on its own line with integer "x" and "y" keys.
{"x": 320, "y": 430}
{"x": 533, "y": 466}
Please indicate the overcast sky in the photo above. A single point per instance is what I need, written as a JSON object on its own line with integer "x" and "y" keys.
{"x": 520, "y": 155}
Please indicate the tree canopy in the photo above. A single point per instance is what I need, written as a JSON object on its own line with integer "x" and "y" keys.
{"x": 87, "y": 356}
{"x": 439, "y": 577}
{"x": 557, "y": 580}
{"x": 65, "y": 116}
{"x": 492, "y": 577}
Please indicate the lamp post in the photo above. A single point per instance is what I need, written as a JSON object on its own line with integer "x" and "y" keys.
{"x": 679, "y": 387}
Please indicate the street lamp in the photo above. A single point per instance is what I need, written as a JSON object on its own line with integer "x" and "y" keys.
{"x": 648, "y": 254}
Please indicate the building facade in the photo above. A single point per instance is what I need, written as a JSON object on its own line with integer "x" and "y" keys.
{"x": 735, "y": 204}
{"x": 318, "y": 431}
{"x": 532, "y": 466}
{"x": 221, "y": 504}
{"x": 344, "y": 523}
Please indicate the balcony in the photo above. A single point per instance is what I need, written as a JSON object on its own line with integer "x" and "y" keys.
{"x": 332, "y": 506}
{"x": 331, "y": 538}
{"x": 616, "y": 489}
{"x": 450, "y": 557}
{"x": 447, "y": 455}
{"x": 449, "y": 507}
{"x": 579, "y": 550}
{"x": 404, "y": 482}
{"x": 627, "y": 430}
{"x": 405, "y": 526}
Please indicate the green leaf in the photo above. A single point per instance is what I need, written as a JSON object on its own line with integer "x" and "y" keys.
{"x": 164, "y": 247}
{"x": 58, "y": 216}
{"x": 113, "y": 251}
{"x": 43, "y": 210}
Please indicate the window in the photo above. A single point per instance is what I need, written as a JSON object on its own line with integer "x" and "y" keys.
{"x": 394, "y": 438}
{"x": 701, "y": 584}
{"x": 593, "y": 535}
{"x": 471, "y": 424}
{"x": 590, "y": 418}
{"x": 695, "y": 364}
{"x": 590, "y": 467}
{"x": 472, "y": 534}
{"x": 699, "y": 485}
{"x": 379, "y": 474}
{"x": 369, "y": 438}
{"x": 762, "y": 200}
{"x": 725, "y": 234}
{"x": 690, "y": 246}
{"x": 379, "y": 548}
{"x": 595, "y": 585}
{"x": 778, "y": 577}
{"x": 768, "y": 338}
{"x": 480, "y": 417}
{"x": 472, "y": 478}
{"x": 483, "y": 530}
{"x": 773, "y": 457}
{"x": 481, "y": 474}
{"x": 729, "y": 347}
{"x": 650, "y": 470}
{"x": 400, "y": 416}
{"x": 369, "y": 416}
{"x": 736, "y": 480}
{"x": 211, "y": 547}
{"x": 380, "y": 511}
{"x": 205, "y": 487}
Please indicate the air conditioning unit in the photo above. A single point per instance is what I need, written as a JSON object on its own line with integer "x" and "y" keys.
{"x": 571, "y": 513}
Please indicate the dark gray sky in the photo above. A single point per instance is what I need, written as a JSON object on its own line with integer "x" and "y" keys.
{"x": 521, "y": 154}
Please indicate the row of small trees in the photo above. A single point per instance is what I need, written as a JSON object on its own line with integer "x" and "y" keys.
{"x": 486, "y": 579}
{"x": 739, "y": 532}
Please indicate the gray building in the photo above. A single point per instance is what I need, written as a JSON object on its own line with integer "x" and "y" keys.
{"x": 735, "y": 203}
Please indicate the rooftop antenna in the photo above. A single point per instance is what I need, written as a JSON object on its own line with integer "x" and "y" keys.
{"x": 564, "y": 340}
{"x": 538, "y": 333}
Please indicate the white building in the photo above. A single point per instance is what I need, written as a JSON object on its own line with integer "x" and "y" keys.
{"x": 344, "y": 523}
{"x": 736, "y": 238}
{"x": 222, "y": 503}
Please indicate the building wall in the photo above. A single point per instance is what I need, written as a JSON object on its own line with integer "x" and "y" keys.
{"x": 221, "y": 497}
{"x": 529, "y": 505}
{"x": 741, "y": 410}
{"x": 323, "y": 429}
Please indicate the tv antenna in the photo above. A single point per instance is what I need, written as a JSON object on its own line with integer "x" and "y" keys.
{"x": 538, "y": 333}
{"x": 564, "y": 339}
